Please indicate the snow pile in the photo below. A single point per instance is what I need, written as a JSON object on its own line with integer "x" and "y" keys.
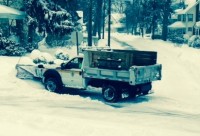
{"x": 102, "y": 43}
{"x": 26, "y": 61}
{"x": 27, "y": 108}
{"x": 60, "y": 54}
{"x": 41, "y": 57}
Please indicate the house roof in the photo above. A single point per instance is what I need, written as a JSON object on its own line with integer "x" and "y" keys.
{"x": 177, "y": 25}
{"x": 117, "y": 16}
{"x": 190, "y": 4}
{"x": 11, "y": 13}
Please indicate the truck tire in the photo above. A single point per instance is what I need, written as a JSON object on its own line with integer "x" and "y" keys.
{"x": 53, "y": 85}
{"x": 110, "y": 93}
{"x": 145, "y": 88}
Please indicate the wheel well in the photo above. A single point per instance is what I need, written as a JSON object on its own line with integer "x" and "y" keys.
{"x": 101, "y": 83}
{"x": 51, "y": 73}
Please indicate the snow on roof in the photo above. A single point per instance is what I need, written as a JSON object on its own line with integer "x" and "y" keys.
{"x": 11, "y": 13}
{"x": 118, "y": 25}
{"x": 117, "y": 16}
{"x": 189, "y": 4}
{"x": 197, "y": 25}
{"x": 177, "y": 24}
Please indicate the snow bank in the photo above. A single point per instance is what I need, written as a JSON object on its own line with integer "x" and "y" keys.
{"x": 27, "y": 108}
{"x": 26, "y": 61}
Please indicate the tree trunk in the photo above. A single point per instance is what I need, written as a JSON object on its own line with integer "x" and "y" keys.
{"x": 166, "y": 20}
{"x": 20, "y": 30}
{"x": 100, "y": 3}
{"x": 153, "y": 25}
{"x": 90, "y": 25}
{"x": 98, "y": 19}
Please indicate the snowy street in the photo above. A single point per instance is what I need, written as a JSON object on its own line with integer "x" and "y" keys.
{"x": 173, "y": 109}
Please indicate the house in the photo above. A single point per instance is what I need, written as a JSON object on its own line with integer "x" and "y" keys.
{"x": 186, "y": 18}
{"x": 118, "y": 22}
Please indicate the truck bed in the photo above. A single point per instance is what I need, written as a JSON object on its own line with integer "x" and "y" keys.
{"x": 135, "y": 75}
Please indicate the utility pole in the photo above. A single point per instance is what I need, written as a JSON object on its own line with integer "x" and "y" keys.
{"x": 109, "y": 18}
{"x": 104, "y": 9}
{"x": 90, "y": 25}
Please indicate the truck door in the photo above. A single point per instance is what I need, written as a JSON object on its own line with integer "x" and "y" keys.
{"x": 72, "y": 73}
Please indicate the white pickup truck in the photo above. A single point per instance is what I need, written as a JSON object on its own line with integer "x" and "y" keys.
{"x": 118, "y": 72}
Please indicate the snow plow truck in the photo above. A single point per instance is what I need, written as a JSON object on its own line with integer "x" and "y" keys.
{"x": 120, "y": 73}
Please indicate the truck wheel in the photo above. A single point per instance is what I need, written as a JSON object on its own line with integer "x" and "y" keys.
{"x": 110, "y": 94}
{"x": 145, "y": 88}
{"x": 52, "y": 85}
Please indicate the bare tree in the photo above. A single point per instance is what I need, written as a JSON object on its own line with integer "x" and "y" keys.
{"x": 118, "y": 6}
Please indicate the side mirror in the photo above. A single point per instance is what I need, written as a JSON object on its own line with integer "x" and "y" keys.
{"x": 62, "y": 65}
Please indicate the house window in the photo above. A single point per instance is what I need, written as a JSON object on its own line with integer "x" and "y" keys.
{"x": 190, "y": 29}
{"x": 184, "y": 18}
{"x": 190, "y": 17}
{"x": 198, "y": 17}
{"x": 179, "y": 17}
{"x": 184, "y": 31}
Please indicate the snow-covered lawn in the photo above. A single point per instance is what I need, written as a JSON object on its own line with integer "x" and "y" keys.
{"x": 27, "y": 109}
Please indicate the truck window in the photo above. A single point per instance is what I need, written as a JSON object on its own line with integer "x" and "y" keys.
{"x": 75, "y": 63}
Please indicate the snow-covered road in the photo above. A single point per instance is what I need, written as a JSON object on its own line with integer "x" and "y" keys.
{"x": 26, "y": 108}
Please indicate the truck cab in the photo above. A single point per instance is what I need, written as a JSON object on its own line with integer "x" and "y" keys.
{"x": 71, "y": 73}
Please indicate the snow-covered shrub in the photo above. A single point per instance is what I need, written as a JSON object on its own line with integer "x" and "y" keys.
{"x": 194, "y": 41}
{"x": 36, "y": 56}
{"x": 191, "y": 40}
{"x": 11, "y": 48}
{"x": 60, "y": 54}
{"x": 41, "y": 57}
{"x": 176, "y": 37}
{"x": 30, "y": 47}
{"x": 3, "y": 52}
{"x": 15, "y": 50}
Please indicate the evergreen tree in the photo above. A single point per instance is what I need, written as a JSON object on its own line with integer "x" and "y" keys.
{"x": 50, "y": 17}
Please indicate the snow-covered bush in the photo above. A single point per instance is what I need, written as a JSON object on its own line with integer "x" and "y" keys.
{"x": 176, "y": 37}
{"x": 3, "y": 52}
{"x": 29, "y": 47}
{"x": 11, "y": 48}
{"x": 60, "y": 54}
{"x": 41, "y": 57}
{"x": 191, "y": 40}
{"x": 194, "y": 41}
{"x": 15, "y": 50}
